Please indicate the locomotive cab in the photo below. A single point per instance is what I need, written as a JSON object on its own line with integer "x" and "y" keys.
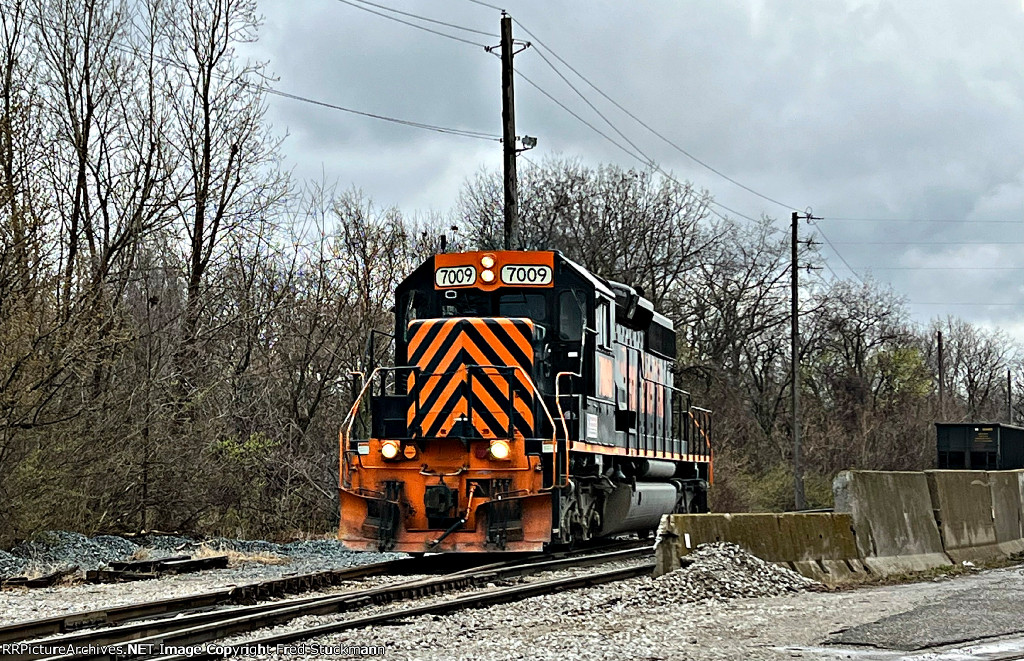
{"x": 530, "y": 403}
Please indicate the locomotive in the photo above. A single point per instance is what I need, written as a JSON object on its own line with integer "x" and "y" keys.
{"x": 531, "y": 405}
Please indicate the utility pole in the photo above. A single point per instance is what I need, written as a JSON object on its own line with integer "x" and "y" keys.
{"x": 799, "y": 499}
{"x": 1009, "y": 397}
{"x": 942, "y": 379}
{"x": 508, "y": 122}
{"x": 794, "y": 305}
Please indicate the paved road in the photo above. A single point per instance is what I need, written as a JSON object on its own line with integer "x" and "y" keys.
{"x": 977, "y": 617}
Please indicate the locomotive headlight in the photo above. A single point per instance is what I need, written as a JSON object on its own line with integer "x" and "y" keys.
{"x": 500, "y": 450}
{"x": 487, "y": 261}
{"x": 487, "y": 276}
{"x": 389, "y": 449}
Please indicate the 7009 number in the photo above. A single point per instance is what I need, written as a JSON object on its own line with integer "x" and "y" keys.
{"x": 455, "y": 276}
{"x": 526, "y": 274}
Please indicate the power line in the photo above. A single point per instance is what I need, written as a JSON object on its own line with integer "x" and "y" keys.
{"x": 580, "y": 119}
{"x": 641, "y": 157}
{"x": 839, "y": 255}
{"x": 926, "y": 220}
{"x": 132, "y": 50}
{"x": 968, "y": 303}
{"x": 428, "y": 20}
{"x": 465, "y": 133}
{"x": 651, "y": 129}
{"x": 484, "y": 4}
{"x": 930, "y": 243}
{"x": 414, "y": 25}
{"x": 943, "y": 268}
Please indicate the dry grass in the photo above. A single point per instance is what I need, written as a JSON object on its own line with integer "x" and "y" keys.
{"x": 236, "y": 558}
{"x": 935, "y": 574}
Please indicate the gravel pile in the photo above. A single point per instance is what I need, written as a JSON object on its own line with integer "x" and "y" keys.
{"x": 720, "y": 571}
{"x": 11, "y": 565}
{"x": 58, "y": 549}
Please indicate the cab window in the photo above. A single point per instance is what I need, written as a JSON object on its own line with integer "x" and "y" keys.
{"x": 465, "y": 304}
{"x": 603, "y": 321}
{"x": 529, "y": 306}
{"x": 570, "y": 316}
{"x": 415, "y": 306}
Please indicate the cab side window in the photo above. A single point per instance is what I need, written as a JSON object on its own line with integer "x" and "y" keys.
{"x": 603, "y": 322}
{"x": 570, "y": 317}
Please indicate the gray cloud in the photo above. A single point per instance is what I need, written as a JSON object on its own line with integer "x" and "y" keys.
{"x": 868, "y": 108}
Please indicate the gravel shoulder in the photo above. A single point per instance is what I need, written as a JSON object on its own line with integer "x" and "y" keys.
{"x": 251, "y": 562}
{"x": 637, "y": 619}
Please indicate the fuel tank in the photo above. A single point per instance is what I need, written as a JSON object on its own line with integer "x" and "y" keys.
{"x": 641, "y": 508}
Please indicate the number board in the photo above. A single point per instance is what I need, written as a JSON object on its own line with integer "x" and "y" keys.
{"x": 536, "y": 275}
{"x": 455, "y": 276}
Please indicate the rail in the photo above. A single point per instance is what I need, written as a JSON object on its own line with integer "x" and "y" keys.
{"x": 195, "y": 629}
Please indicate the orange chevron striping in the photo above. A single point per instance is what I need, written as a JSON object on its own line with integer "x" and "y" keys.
{"x": 521, "y": 405}
{"x": 478, "y": 356}
{"x": 516, "y": 333}
{"x": 432, "y": 379}
{"x": 524, "y": 410}
{"x": 484, "y": 397}
{"x": 429, "y": 417}
{"x": 496, "y": 345}
{"x": 457, "y": 410}
{"x": 424, "y": 328}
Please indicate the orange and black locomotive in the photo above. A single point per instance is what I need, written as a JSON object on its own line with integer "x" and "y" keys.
{"x": 531, "y": 404}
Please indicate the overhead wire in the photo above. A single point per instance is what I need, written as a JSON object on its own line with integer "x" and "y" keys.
{"x": 132, "y": 50}
{"x": 413, "y": 25}
{"x": 638, "y": 155}
{"x": 645, "y": 158}
{"x": 484, "y": 4}
{"x": 429, "y": 20}
{"x": 926, "y": 220}
{"x": 644, "y": 124}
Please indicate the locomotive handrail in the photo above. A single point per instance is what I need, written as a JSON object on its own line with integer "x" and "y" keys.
{"x": 707, "y": 440}
{"x": 565, "y": 426}
{"x": 345, "y": 429}
{"x": 345, "y": 432}
{"x": 665, "y": 385}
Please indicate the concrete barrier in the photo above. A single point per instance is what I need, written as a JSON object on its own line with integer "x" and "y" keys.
{"x": 962, "y": 501}
{"x": 823, "y": 546}
{"x": 894, "y": 526}
{"x": 1007, "y": 500}
{"x": 818, "y": 545}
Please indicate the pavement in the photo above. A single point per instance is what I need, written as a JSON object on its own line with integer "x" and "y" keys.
{"x": 973, "y": 617}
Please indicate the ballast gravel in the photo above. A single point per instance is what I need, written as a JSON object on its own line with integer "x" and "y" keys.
{"x": 720, "y": 571}
{"x": 555, "y": 624}
{"x": 55, "y": 550}
{"x": 608, "y": 622}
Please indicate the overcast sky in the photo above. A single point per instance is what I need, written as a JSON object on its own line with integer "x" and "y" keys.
{"x": 906, "y": 110}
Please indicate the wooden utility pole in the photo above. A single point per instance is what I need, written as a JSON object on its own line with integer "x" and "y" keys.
{"x": 508, "y": 121}
{"x": 942, "y": 379}
{"x": 1009, "y": 397}
{"x": 794, "y": 301}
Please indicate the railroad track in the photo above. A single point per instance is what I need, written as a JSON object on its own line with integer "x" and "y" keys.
{"x": 149, "y": 638}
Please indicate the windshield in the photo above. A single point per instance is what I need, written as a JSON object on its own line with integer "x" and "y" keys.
{"x": 465, "y": 304}
{"x": 529, "y": 306}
